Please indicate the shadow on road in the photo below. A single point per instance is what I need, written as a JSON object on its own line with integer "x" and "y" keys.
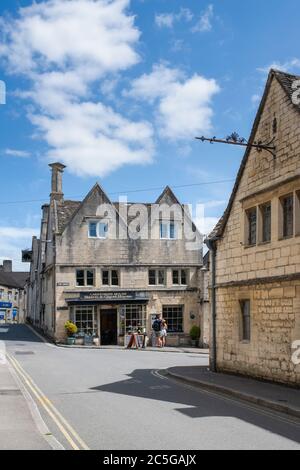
{"x": 197, "y": 404}
{"x": 15, "y": 332}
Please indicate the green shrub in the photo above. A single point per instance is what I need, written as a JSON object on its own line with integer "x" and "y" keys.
{"x": 195, "y": 333}
{"x": 70, "y": 328}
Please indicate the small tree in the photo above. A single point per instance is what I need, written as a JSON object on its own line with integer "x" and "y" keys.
{"x": 70, "y": 328}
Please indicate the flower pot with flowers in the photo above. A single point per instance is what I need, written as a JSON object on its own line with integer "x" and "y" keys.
{"x": 71, "y": 330}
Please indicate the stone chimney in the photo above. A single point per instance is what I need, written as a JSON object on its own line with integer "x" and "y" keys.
{"x": 7, "y": 266}
{"x": 56, "y": 181}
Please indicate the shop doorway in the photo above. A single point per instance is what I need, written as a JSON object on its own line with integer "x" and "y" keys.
{"x": 109, "y": 327}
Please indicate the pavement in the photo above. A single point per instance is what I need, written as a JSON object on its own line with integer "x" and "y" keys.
{"x": 167, "y": 349}
{"x": 273, "y": 396}
{"x": 18, "y": 428}
{"x": 116, "y": 399}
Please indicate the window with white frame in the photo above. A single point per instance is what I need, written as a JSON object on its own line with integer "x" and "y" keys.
{"x": 1, "y": 293}
{"x": 157, "y": 277}
{"x": 173, "y": 315}
{"x": 179, "y": 277}
{"x": 110, "y": 277}
{"x": 98, "y": 229}
{"x": 86, "y": 320}
{"x": 167, "y": 230}
{"x": 85, "y": 277}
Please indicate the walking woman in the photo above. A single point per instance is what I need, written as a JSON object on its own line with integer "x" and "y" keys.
{"x": 164, "y": 330}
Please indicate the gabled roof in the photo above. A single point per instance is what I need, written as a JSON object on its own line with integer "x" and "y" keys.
{"x": 167, "y": 193}
{"x": 13, "y": 279}
{"x": 66, "y": 210}
{"x": 286, "y": 80}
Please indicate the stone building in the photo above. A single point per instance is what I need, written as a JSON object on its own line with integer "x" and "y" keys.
{"x": 12, "y": 294}
{"x": 255, "y": 248}
{"x": 110, "y": 267}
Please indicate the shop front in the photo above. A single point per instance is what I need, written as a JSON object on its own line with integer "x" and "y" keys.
{"x": 110, "y": 316}
{"x": 5, "y": 312}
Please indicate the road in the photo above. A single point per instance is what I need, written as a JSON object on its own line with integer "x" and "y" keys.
{"x": 115, "y": 399}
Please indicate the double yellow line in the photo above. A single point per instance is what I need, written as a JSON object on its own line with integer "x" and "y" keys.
{"x": 66, "y": 429}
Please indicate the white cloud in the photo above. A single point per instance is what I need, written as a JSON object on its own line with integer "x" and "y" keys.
{"x": 204, "y": 23}
{"x": 255, "y": 99}
{"x": 167, "y": 20}
{"x": 288, "y": 66}
{"x": 12, "y": 241}
{"x": 17, "y": 153}
{"x": 183, "y": 105}
{"x": 206, "y": 224}
{"x": 66, "y": 48}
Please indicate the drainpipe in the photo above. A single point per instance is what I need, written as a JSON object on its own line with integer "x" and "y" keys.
{"x": 212, "y": 246}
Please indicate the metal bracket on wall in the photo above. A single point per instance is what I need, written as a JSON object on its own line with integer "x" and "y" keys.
{"x": 235, "y": 139}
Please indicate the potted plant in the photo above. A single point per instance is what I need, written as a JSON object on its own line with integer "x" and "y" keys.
{"x": 79, "y": 338}
{"x": 195, "y": 334}
{"x": 71, "y": 330}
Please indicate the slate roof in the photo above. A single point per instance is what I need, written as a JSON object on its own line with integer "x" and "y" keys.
{"x": 286, "y": 80}
{"x": 65, "y": 211}
{"x": 13, "y": 279}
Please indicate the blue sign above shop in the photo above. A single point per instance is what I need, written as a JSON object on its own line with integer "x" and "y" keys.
{"x": 5, "y": 305}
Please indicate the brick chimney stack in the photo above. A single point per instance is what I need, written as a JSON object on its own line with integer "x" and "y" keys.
{"x": 7, "y": 266}
{"x": 56, "y": 181}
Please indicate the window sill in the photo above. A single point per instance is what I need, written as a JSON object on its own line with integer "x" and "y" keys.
{"x": 285, "y": 238}
{"x": 250, "y": 246}
{"x": 244, "y": 341}
{"x": 264, "y": 243}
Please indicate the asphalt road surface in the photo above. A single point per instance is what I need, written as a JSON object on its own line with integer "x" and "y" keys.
{"x": 116, "y": 399}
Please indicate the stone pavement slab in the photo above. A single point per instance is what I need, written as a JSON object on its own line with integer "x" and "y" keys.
{"x": 274, "y": 396}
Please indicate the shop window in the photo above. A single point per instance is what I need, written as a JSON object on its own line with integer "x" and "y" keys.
{"x": 133, "y": 319}
{"x": 85, "y": 277}
{"x": 1, "y": 293}
{"x": 86, "y": 320}
{"x": 246, "y": 320}
{"x": 179, "y": 277}
{"x": 174, "y": 318}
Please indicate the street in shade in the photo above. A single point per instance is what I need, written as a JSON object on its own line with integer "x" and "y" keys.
{"x": 97, "y": 399}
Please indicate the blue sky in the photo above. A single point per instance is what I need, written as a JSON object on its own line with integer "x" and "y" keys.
{"x": 118, "y": 89}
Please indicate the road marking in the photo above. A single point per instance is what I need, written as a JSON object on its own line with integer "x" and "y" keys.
{"x": 67, "y": 430}
{"x": 236, "y": 401}
{"x": 35, "y": 413}
{"x": 157, "y": 374}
